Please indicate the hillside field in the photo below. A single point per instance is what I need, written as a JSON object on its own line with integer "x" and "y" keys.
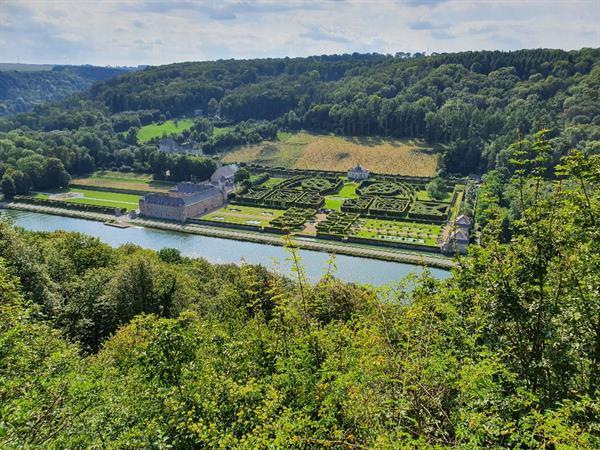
{"x": 327, "y": 152}
{"x": 168, "y": 128}
{"x": 119, "y": 180}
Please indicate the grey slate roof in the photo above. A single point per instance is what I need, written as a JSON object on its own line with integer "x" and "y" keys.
{"x": 463, "y": 220}
{"x": 459, "y": 235}
{"x": 184, "y": 194}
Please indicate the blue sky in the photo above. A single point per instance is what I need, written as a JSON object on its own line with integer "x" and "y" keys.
{"x": 107, "y": 32}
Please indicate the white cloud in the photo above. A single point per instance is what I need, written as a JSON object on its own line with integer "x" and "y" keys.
{"x": 158, "y": 32}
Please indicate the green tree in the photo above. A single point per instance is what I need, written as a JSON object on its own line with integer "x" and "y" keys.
{"x": 7, "y": 185}
{"x": 241, "y": 175}
{"x": 436, "y": 188}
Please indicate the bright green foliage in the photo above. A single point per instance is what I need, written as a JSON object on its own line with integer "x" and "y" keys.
{"x": 158, "y": 130}
{"x": 176, "y": 352}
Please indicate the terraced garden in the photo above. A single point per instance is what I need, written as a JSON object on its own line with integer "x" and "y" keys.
{"x": 383, "y": 210}
{"x": 244, "y": 215}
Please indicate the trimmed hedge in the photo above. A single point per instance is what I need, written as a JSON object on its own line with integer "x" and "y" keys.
{"x": 358, "y": 205}
{"x": 260, "y": 179}
{"x": 337, "y": 223}
{"x": 389, "y": 207}
{"x": 215, "y": 223}
{"x": 406, "y": 245}
{"x": 68, "y": 205}
{"x": 292, "y": 219}
{"x": 433, "y": 211}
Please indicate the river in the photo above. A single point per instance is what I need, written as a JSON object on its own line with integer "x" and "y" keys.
{"x": 217, "y": 250}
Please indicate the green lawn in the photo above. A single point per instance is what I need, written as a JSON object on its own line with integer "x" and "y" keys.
{"x": 167, "y": 128}
{"x": 244, "y": 215}
{"x": 101, "y": 198}
{"x": 271, "y": 182}
{"x": 222, "y": 130}
{"x": 424, "y": 196}
{"x": 335, "y": 201}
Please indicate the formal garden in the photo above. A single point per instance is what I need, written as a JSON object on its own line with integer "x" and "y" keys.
{"x": 382, "y": 210}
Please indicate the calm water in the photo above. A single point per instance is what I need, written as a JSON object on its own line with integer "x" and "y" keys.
{"x": 349, "y": 268}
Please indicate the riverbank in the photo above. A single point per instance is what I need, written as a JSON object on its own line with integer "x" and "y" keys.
{"x": 362, "y": 251}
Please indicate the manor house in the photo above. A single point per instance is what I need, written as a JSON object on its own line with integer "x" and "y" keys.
{"x": 358, "y": 173}
{"x": 187, "y": 200}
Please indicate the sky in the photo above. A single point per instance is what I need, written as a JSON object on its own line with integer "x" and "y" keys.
{"x": 134, "y": 32}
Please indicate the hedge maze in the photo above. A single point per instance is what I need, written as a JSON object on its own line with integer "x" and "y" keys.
{"x": 337, "y": 223}
{"x": 385, "y": 208}
{"x": 292, "y": 219}
{"x": 358, "y": 205}
{"x": 389, "y": 207}
{"x": 385, "y": 189}
{"x": 432, "y": 211}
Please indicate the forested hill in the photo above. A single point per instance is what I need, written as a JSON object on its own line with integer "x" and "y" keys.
{"x": 21, "y": 90}
{"x": 475, "y": 102}
{"x": 471, "y": 106}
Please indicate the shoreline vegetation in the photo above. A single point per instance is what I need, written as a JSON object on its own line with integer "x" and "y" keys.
{"x": 362, "y": 251}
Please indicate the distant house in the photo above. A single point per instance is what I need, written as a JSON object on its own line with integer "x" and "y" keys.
{"x": 456, "y": 242}
{"x": 463, "y": 221}
{"x": 187, "y": 200}
{"x": 169, "y": 145}
{"x": 224, "y": 174}
{"x": 358, "y": 173}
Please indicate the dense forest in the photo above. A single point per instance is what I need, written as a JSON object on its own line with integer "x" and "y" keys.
{"x": 22, "y": 90}
{"x": 474, "y": 102}
{"x": 471, "y": 105}
{"x": 130, "y": 348}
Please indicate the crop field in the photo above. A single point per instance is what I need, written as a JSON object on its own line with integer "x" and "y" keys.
{"x": 337, "y": 153}
{"x": 168, "y": 128}
{"x": 244, "y": 215}
{"x": 118, "y": 180}
{"x": 99, "y": 198}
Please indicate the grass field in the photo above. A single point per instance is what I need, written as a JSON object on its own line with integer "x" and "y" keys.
{"x": 119, "y": 180}
{"x": 424, "y": 196}
{"x": 402, "y": 232}
{"x": 244, "y": 215}
{"x": 271, "y": 182}
{"x": 167, "y": 128}
{"x": 101, "y": 198}
{"x": 326, "y": 152}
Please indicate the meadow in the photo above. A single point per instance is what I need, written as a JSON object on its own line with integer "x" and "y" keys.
{"x": 327, "y": 152}
{"x": 123, "y": 180}
{"x": 168, "y": 128}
